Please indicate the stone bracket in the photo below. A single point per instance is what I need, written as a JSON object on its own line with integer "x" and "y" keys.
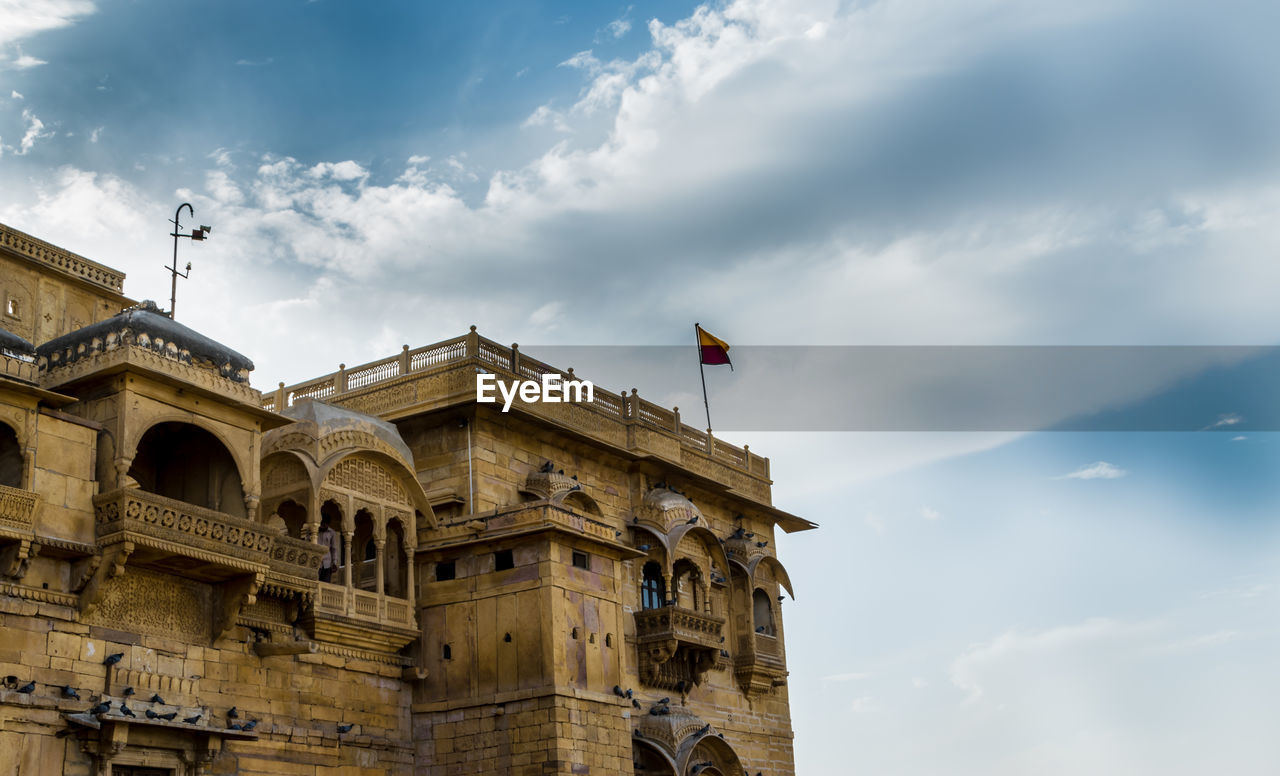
{"x": 293, "y": 647}
{"x": 111, "y": 565}
{"x": 235, "y": 595}
{"x": 15, "y": 558}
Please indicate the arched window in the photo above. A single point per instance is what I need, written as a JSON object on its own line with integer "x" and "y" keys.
{"x": 653, "y": 591}
{"x": 187, "y": 463}
{"x": 10, "y": 458}
{"x": 763, "y": 613}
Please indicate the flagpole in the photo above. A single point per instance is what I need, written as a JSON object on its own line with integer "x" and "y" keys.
{"x": 703, "y": 371}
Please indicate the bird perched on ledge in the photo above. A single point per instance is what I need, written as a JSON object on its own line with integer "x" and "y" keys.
{"x": 111, "y": 660}
{"x": 28, "y": 688}
{"x": 345, "y": 728}
{"x": 70, "y": 692}
{"x": 126, "y": 711}
{"x": 192, "y": 720}
{"x": 101, "y": 708}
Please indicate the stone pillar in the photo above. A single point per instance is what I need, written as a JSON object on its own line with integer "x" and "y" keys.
{"x": 381, "y": 545}
{"x": 347, "y": 538}
{"x": 410, "y": 591}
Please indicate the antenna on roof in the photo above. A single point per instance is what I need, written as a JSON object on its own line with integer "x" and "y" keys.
{"x": 195, "y": 234}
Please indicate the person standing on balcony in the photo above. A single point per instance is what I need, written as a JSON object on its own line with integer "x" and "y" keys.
{"x": 328, "y": 539}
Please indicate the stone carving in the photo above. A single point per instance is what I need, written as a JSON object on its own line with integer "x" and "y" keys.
{"x": 154, "y": 603}
{"x": 285, "y": 473}
{"x": 17, "y": 507}
{"x": 367, "y": 477}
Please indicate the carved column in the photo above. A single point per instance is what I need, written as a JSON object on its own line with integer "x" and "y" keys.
{"x": 122, "y": 471}
{"x": 347, "y": 538}
{"x": 411, "y": 591}
{"x": 381, "y": 545}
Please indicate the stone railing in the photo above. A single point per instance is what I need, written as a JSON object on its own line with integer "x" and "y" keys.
{"x": 63, "y": 260}
{"x": 295, "y": 557}
{"x": 607, "y": 417}
{"x": 672, "y": 623}
{"x": 17, "y": 507}
{"x": 363, "y": 605}
{"x": 18, "y": 369}
{"x": 179, "y": 528}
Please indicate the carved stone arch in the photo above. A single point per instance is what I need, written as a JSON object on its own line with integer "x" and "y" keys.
{"x": 129, "y": 448}
{"x": 412, "y": 496}
{"x": 652, "y": 756}
{"x": 704, "y": 536}
{"x": 287, "y": 460}
{"x": 776, "y": 568}
{"x": 710, "y": 747}
{"x": 12, "y": 459}
{"x": 659, "y": 541}
{"x": 580, "y": 500}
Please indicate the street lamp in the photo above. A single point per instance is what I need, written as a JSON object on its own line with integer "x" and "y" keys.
{"x": 195, "y": 234}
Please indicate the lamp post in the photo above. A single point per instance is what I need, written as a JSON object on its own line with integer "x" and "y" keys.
{"x": 196, "y": 234}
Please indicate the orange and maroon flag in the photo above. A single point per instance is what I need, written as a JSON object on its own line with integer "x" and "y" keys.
{"x": 715, "y": 351}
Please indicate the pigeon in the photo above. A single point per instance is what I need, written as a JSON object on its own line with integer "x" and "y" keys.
{"x": 234, "y": 726}
{"x": 661, "y": 484}
{"x": 127, "y": 692}
{"x": 628, "y": 692}
{"x": 643, "y": 548}
{"x": 126, "y": 711}
{"x": 748, "y": 536}
{"x": 70, "y": 692}
{"x": 738, "y": 534}
{"x": 345, "y": 728}
{"x": 192, "y": 720}
{"x": 250, "y": 725}
{"x": 574, "y": 478}
{"x": 722, "y": 639}
{"x": 618, "y": 691}
{"x": 706, "y": 729}
{"x": 691, "y": 520}
{"x": 113, "y": 659}
{"x": 233, "y": 713}
{"x": 653, "y": 711}
{"x": 664, "y": 701}
{"x": 157, "y": 699}
{"x": 635, "y": 703}
{"x": 635, "y": 519}
{"x": 151, "y": 714}
{"x": 762, "y": 544}
{"x": 760, "y": 629}
{"x": 576, "y": 486}
{"x": 617, "y": 534}
{"x": 561, "y": 472}
{"x": 547, "y": 467}
{"x": 167, "y": 717}
{"x": 780, "y": 598}
{"x": 724, "y": 653}
{"x": 28, "y": 688}
{"x": 720, "y": 734}
{"x": 637, "y": 733}
{"x": 101, "y": 708}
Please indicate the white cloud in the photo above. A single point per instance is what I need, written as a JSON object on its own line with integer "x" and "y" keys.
{"x": 26, "y": 61}
{"x": 1238, "y": 438}
{"x": 23, "y": 18}
{"x": 929, "y": 513}
{"x": 16, "y": 95}
{"x": 1225, "y": 421}
{"x": 35, "y": 131}
{"x": 545, "y": 115}
{"x": 339, "y": 171}
{"x": 95, "y": 134}
{"x": 1100, "y": 470}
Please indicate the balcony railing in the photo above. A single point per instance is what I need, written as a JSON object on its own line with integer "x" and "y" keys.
{"x": 17, "y": 508}
{"x": 606, "y": 408}
{"x": 672, "y": 623}
{"x": 362, "y": 605}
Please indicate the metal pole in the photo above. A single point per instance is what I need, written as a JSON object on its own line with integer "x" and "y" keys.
{"x": 703, "y": 371}
{"x": 177, "y": 232}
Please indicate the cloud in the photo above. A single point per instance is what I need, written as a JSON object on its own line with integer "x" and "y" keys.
{"x": 545, "y": 115}
{"x": 1095, "y": 471}
{"x": 95, "y": 134}
{"x": 929, "y": 513}
{"x": 617, "y": 28}
{"x": 340, "y": 171}
{"x": 21, "y": 19}
{"x": 16, "y": 95}
{"x": 1239, "y": 438}
{"x": 1225, "y": 421}
{"x": 26, "y": 61}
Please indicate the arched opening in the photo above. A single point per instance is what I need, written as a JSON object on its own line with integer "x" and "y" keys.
{"x": 294, "y": 516}
{"x": 187, "y": 463}
{"x": 395, "y": 563}
{"x": 647, "y": 760}
{"x": 687, "y": 580}
{"x": 365, "y": 561}
{"x": 10, "y": 458}
{"x": 653, "y": 591}
{"x": 762, "y": 609}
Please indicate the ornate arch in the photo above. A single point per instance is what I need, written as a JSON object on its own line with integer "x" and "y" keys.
{"x": 774, "y": 565}
{"x": 129, "y": 449}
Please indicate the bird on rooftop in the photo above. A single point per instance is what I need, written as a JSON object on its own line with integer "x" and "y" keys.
{"x": 664, "y": 701}
{"x": 618, "y": 691}
{"x": 635, "y": 703}
{"x": 192, "y": 720}
{"x": 127, "y": 692}
{"x": 234, "y": 726}
{"x": 151, "y": 714}
{"x": 561, "y": 472}
{"x": 547, "y": 467}
{"x": 232, "y": 713}
{"x": 345, "y": 728}
{"x": 167, "y": 717}
{"x": 643, "y": 548}
{"x": 628, "y": 692}
{"x": 661, "y": 484}
{"x": 250, "y": 725}
{"x": 691, "y": 520}
{"x": 762, "y": 544}
{"x": 574, "y": 478}
{"x": 780, "y": 598}
{"x": 616, "y": 534}
{"x": 111, "y": 660}
{"x": 101, "y": 708}
{"x": 28, "y": 688}
{"x": 157, "y": 699}
{"x": 576, "y": 486}
{"x": 706, "y": 729}
{"x": 70, "y": 692}
{"x": 760, "y": 629}
{"x": 739, "y": 533}
{"x": 126, "y": 711}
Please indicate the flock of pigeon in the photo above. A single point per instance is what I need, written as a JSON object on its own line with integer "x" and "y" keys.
{"x": 105, "y": 706}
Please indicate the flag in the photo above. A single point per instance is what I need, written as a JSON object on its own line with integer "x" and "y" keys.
{"x": 714, "y": 350}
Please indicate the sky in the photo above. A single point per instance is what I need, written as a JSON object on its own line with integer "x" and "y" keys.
{"x": 903, "y": 172}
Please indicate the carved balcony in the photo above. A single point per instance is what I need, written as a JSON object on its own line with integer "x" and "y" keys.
{"x": 180, "y": 538}
{"x": 360, "y": 619}
{"x": 677, "y": 646}
{"x": 759, "y": 666}
{"x": 18, "y": 510}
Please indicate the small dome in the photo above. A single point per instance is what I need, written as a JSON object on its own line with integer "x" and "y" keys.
{"x": 329, "y": 419}
{"x": 146, "y": 327}
{"x": 664, "y": 506}
{"x": 16, "y": 347}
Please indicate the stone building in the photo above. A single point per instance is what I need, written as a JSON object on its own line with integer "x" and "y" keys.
{"x": 581, "y": 588}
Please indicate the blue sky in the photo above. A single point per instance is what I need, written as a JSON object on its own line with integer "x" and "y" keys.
{"x": 901, "y": 172}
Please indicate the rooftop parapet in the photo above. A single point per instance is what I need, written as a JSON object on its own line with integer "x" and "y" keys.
{"x": 60, "y": 259}
{"x": 443, "y": 374}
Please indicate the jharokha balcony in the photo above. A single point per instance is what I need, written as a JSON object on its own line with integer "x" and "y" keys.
{"x": 360, "y": 618}
{"x": 677, "y": 646}
{"x": 17, "y": 509}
